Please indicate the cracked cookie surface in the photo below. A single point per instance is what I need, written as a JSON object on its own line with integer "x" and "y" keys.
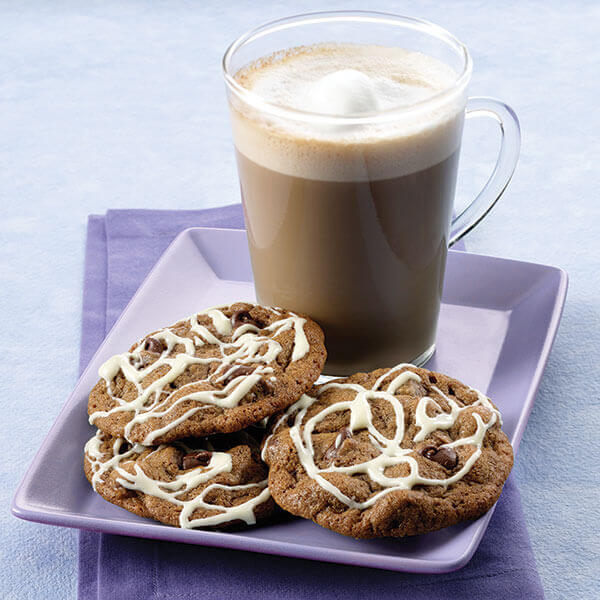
{"x": 394, "y": 452}
{"x": 217, "y": 483}
{"x": 218, "y": 371}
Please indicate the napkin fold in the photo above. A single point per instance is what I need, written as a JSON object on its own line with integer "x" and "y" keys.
{"x": 121, "y": 248}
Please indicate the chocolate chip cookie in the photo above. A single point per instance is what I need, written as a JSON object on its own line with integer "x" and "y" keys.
{"x": 394, "y": 452}
{"x": 215, "y": 372}
{"x": 217, "y": 483}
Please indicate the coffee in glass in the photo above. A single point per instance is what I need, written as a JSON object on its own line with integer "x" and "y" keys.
{"x": 347, "y": 154}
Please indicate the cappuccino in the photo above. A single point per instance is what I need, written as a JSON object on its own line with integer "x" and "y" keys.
{"x": 347, "y": 175}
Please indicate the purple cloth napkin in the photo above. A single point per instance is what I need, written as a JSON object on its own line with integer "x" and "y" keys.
{"x": 121, "y": 249}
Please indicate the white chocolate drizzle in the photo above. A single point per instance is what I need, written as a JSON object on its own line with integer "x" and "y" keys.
{"x": 171, "y": 491}
{"x": 391, "y": 452}
{"x": 246, "y": 345}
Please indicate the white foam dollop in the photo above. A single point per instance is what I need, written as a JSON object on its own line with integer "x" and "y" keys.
{"x": 349, "y": 92}
{"x": 344, "y": 92}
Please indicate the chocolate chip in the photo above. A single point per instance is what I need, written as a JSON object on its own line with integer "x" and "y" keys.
{"x": 332, "y": 451}
{"x": 451, "y": 391}
{"x": 433, "y": 379}
{"x": 428, "y": 451}
{"x": 124, "y": 447}
{"x": 237, "y": 372}
{"x": 196, "y": 459}
{"x": 444, "y": 456}
{"x": 173, "y": 385}
{"x": 243, "y": 317}
{"x": 345, "y": 434}
{"x": 136, "y": 362}
{"x": 266, "y": 387}
{"x": 153, "y": 345}
{"x": 125, "y": 493}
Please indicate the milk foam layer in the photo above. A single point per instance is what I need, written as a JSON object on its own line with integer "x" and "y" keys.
{"x": 349, "y": 80}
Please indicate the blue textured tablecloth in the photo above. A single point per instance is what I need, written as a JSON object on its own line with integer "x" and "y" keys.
{"x": 118, "y": 104}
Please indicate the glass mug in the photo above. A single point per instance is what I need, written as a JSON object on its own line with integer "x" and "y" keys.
{"x": 349, "y": 217}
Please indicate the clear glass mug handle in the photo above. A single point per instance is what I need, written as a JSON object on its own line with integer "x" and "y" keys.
{"x": 505, "y": 165}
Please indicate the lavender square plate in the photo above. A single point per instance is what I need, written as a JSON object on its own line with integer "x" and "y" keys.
{"x": 497, "y": 324}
